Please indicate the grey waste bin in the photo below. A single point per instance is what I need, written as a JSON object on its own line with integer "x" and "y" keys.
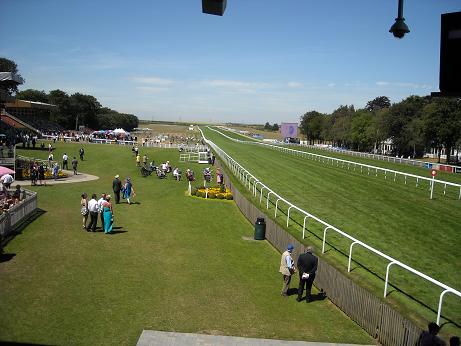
{"x": 260, "y": 229}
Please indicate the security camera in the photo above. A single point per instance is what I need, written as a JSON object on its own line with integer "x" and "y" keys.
{"x": 399, "y": 28}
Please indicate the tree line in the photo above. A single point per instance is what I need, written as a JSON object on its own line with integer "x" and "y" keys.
{"x": 415, "y": 125}
{"x": 75, "y": 109}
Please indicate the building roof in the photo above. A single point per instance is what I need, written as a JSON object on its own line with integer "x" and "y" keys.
{"x": 29, "y": 104}
{"x": 10, "y": 78}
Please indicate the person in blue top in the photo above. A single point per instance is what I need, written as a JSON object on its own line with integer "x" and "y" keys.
{"x": 128, "y": 190}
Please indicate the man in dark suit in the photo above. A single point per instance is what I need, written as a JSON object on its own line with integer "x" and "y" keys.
{"x": 116, "y": 187}
{"x": 307, "y": 266}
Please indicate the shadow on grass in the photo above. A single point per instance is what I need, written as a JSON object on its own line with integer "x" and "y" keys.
{"x": 5, "y": 257}
{"x": 22, "y": 225}
{"x": 4, "y": 343}
{"x": 359, "y": 265}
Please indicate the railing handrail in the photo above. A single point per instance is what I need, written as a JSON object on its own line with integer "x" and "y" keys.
{"x": 329, "y": 226}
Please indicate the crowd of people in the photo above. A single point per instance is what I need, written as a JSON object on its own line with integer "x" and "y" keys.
{"x": 102, "y": 208}
{"x": 9, "y": 198}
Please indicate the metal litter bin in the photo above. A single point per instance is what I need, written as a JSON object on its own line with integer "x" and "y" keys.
{"x": 260, "y": 229}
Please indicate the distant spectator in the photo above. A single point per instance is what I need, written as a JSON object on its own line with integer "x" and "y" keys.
{"x": 287, "y": 269}
{"x": 50, "y": 160}
{"x": 74, "y": 165}
{"x": 84, "y": 209}
{"x": 65, "y": 158}
{"x": 81, "y": 152}
{"x": 41, "y": 173}
{"x": 6, "y": 180}
{"x": 93, "y": 208}
{"x": 430, "y": 337}
{"x": 307, "y": 266}
{"x": 55, "y": 171}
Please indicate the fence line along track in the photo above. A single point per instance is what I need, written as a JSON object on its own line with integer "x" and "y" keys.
{"x": 255, "y": 185}
{"x": 363, "y": 167}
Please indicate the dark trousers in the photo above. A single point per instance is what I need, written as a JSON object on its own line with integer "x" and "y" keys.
{"x": 93, "y": 220}
{"x": 117, "y": 196}
{"x": 64, "y": 165}
{"x": 305, "y": 283}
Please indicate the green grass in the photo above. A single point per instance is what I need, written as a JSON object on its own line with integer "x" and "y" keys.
{"x": 180, "y": 265}
{"x": 395, "y": 218}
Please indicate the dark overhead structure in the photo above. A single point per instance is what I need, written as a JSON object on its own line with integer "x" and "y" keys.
{"x": 450, "y": 55}
{"x": 399, "y": 28}
{"x": 216, "y": 7}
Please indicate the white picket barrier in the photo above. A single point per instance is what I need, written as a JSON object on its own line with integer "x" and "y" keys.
{"x": 245, "y": 177}
{"x": 351, "y": 164}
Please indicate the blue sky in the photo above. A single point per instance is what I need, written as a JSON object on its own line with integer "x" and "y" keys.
{"x": 264, "y": 60}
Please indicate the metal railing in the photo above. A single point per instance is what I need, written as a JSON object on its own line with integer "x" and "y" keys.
{"x": 252, "y": 183}
{"x": 401, "y": 160}
{"x": 10, "y": 218}
{"x": 351, "y": 164}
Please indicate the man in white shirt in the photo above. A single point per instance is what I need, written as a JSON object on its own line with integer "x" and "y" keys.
{"x": 65, "y": 158}
{"x": 93, "y": 208}
{"x": 7, "y": 179}
{"x": 100, "y": 201}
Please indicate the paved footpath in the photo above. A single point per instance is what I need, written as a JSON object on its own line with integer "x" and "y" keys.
{"x": 71, "y": 178}
{"x": 156, "y": 338}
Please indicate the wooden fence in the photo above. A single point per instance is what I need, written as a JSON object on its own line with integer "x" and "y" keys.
{"x": 381, "y": 321}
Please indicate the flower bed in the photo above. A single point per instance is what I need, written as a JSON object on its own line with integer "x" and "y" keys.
{"x": 213, "y": 193}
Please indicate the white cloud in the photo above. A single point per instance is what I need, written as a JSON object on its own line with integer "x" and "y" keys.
{"x": 154, "y": 80}
{"x": 404, "y": 85}
{"x": 152, "y": 89}
{"x": 295, "y": 85}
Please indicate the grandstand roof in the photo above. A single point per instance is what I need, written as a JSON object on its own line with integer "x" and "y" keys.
{"x": 29, "y": 104}
{"x": 10, "y": 77}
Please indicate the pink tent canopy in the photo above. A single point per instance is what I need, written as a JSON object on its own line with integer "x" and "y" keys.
{"x": 5, "y": 170}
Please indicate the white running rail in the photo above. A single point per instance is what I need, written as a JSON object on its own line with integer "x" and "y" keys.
{"x": 354, "y": 165}
{"x": 253, "y": 183}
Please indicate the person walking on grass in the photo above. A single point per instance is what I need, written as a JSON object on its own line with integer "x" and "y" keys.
{"x": 287, "y": 269}
{"x": 108, "y": 214}
{"x": 84, "y": 209}
{"x": 307, "y": 266}
{"x": 128, "y": 190}
{"x": 100, "y": 208}
{"x": 65, "y": 158}
{"x": 81, "y": 152}
{"x": 93, "y": 208}
{"x": 74, "y": 165}
{"x": 117, "y": 187}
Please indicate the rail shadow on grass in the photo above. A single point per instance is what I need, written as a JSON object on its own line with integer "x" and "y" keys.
{"x": 359, "y": 265}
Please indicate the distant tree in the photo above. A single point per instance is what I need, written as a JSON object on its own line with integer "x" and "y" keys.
{"x": 267, "y": 126}
{"x": 442, "y": 123}
{"x": 341, "y": 121}
{"x": 7, "y": 65}
{"x": 33, "y": 95}
{"x": 62, "y": 114}
{"x": 312, "y": 125}
{"x": 361, "y": 135}
{"x": 378, "y": 103}
{"x": 84, "y": 108}
{"x": 275, "y": 127}
{"x": 399, "y": 117}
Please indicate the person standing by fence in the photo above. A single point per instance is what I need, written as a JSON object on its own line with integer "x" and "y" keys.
{"x": 287, "y": 269}
{"x": 307, "y": 266}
